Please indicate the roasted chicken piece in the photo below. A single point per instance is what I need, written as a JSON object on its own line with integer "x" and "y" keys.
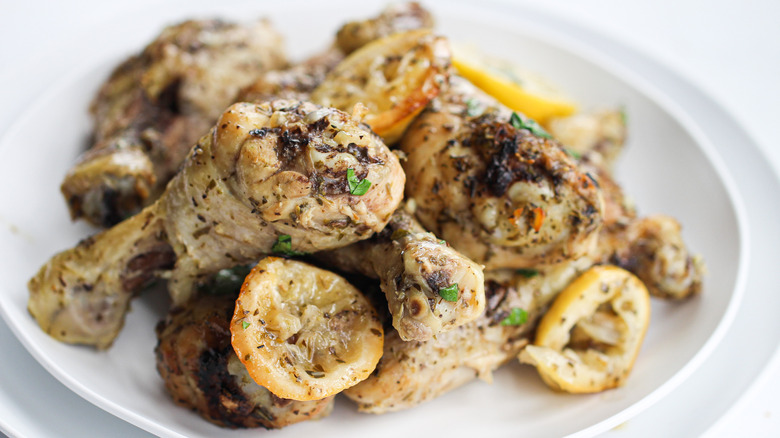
{"x": 650, "y": 247}
{"x": 495, "y": 186}
{"x": 653, "y": 249}
{"x": 295, "y": 82}
{"x": 520, "y": 296}
{"x": 410, "y": 373}
{"x": 202, "y": 372}
{"x": 430, "y": 287}
{"x": 276, "y": 177}
{"x": 156, "y": 105}
{"x": 395, "y": 18}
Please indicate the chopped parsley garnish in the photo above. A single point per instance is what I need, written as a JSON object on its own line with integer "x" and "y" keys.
{"x": 572, "y": 153}
{"x": 283, "y": 246}
{"x": 527, "y": 272}
{"x": 450, "y": 293}
{"x": 517, "y": 316}
{"x": 528, "y": 124}
{"x": 357, "y": 186}
{"x": 244, "y": 325}
{"x": 473, "y": 107}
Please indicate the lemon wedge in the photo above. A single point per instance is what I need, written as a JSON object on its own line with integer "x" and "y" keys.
{"x": 394, "y": 77}
{"x": 302, "y": 332}
{"x": 587, "y": 342}
{"x": 519, "y": 91}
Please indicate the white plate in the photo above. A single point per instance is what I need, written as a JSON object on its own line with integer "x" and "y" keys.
{"x": 670, "y": 167}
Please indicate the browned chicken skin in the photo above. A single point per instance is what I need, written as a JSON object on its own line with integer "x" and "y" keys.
{"x": 504, "y": 196}
{"x": 201, "y": 371}
{"x": 156, "y": 105}
{"x": 271, "y": 177}
{"x": 295, "y": 82}
{"x": 414, "y": 266}
{"x": 411, "y": 373}
{"x": 652, "y": 247}
{"x": 395, "y": 18}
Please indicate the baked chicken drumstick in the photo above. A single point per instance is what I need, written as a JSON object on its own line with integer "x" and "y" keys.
{"x": 411, "y": 373}
{"x": 156, "y": 105}
{"x": 495, "y": 186}
{"x": 284, "y": 177}
{"x": 430, "y": 287}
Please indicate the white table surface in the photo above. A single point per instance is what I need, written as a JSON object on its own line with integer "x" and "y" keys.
{"x": 729, "y": 49}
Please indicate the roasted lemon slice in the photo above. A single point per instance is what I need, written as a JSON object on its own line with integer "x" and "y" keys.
{"x": 588, "y": 340}
{"x": 302, "y": 332}
{"x": 519, "y": 90}
{"x": 394, "y": 77}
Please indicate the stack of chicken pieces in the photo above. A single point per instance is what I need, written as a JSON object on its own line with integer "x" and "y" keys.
{"x": 371, "y": 159}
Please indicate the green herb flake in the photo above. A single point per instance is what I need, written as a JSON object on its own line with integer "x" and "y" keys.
{"x": 527, "y": 272}
{"x": 517, "y": 316}
{"x": 357, "y": 186}
{"x": 473, "y": 108}
{"x": 572, "y": 153}
{"x": 528, "y": 124}
{"x": 450, "y": 293}
{"x": 244, "y": 325}
{"x": 442, "y": 242}
{"x": 283, "y": 246}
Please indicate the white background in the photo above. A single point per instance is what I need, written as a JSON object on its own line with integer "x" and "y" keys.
{"x": 730, "y": 49}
